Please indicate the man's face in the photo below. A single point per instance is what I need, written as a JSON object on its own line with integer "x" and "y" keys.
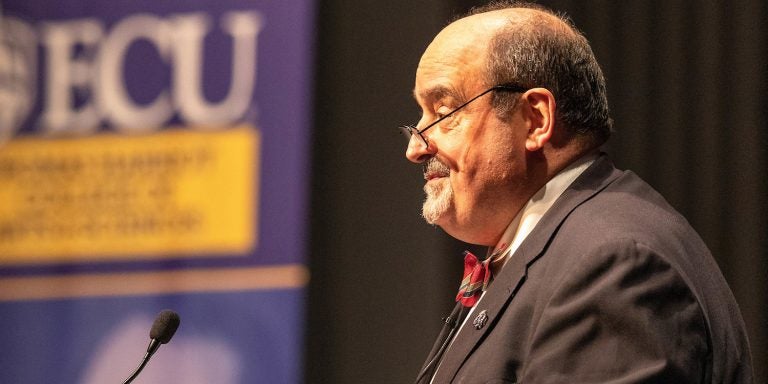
{"x": 475, "y": 162}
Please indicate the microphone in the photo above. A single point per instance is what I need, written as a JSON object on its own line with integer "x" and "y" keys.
{"x": 452, "y": 324}
{"x": 162, "y": 331}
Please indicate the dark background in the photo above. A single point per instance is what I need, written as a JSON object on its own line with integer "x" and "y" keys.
{"x": 687, "y": 88}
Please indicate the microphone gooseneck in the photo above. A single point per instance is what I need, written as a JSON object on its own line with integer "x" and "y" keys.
{"x": 453, "y": 322}
{"x": 162, "y": 331}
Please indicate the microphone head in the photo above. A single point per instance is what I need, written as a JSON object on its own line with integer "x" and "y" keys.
{"x": 165, "y": 326}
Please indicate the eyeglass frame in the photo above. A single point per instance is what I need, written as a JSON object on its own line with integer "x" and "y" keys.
{"x": 408, "y": 130}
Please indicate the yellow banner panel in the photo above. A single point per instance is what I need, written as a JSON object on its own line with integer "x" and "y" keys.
{"x": 114, "y": 197}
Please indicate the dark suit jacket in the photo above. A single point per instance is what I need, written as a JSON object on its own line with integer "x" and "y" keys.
{"x": 612, "y": 286}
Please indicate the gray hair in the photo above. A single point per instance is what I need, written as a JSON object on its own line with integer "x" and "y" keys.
{"x": 541, "y": 53}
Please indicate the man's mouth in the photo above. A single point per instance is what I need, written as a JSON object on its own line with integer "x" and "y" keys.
{"x": 434, "y": 169}
{"x": 432, "y": 176}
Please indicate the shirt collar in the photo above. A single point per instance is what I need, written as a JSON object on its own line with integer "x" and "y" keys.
{"x": 537, "y": 206}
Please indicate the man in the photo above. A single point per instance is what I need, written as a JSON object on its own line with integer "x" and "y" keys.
{"x": 591, "y": 276}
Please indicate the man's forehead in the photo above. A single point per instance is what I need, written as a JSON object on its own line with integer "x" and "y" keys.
{"x": 447, "y": 66}
{"x": 457, "y": 55}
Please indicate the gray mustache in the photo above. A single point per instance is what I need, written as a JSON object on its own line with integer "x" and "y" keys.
{"x": 434, "y": 166}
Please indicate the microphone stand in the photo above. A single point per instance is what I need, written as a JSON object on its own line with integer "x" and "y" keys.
{"x": 153, "y": 346}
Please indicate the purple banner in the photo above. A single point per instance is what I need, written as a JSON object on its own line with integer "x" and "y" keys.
{"x": 154, "y": 154}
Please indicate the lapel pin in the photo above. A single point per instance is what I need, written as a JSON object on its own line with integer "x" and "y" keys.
{"x": 481, "y": 319}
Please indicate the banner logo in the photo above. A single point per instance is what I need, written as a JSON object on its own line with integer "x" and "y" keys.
{"x": 86, "y": 65}
{"x": 18, "y": 62}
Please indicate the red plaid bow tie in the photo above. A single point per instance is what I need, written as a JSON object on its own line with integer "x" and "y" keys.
{"x": 477, "y": 274}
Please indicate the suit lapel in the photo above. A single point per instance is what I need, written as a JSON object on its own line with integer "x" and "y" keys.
{"x": 599, "y": 175}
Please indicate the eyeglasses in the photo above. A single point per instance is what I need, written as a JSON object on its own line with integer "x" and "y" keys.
{"x": 410, "y": 130}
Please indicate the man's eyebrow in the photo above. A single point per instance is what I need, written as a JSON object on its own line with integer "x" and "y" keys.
{"x": 436, "y": 93}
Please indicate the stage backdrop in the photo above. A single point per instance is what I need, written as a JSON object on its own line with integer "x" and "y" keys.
{"x": 153, "y": 154}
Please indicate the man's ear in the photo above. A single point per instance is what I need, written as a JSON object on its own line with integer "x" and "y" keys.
{"x": 539, "y": 110}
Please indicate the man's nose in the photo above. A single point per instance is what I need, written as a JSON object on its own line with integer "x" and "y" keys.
{"x": 418, "y": 151}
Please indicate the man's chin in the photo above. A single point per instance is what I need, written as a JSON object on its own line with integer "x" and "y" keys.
{"x": 439, "y": 201}
{"x": 434, "y": 213}
{"x": 431, "y": 219}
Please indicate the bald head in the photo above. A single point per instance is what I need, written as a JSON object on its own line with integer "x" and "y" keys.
{"x": 464, "y": 44}
{"x": 528, "y": 45}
